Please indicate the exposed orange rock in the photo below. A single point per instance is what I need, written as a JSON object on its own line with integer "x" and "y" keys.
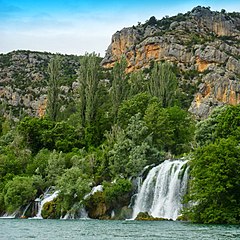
{"x": 229, "y": 96}
{"x": 202, "y": 65}
{"x": 198, "y": 100}
{"x": 42, "y": 108}
{"x": 152, "y": 51}
{"x": 207, "y": 91}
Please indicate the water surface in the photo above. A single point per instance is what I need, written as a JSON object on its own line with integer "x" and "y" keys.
{"x": 13, "y": 229}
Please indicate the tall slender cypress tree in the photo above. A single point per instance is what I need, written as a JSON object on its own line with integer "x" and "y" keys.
{"x": 53, "y": 105}
{"x": 88, "y": 78}
{"x": 119, "y": 89}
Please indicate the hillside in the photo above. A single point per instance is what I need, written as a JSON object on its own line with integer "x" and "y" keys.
{"x": 23, "y": 86}
{"x": 203, "y": 44}
{"x": 78, "y": 140}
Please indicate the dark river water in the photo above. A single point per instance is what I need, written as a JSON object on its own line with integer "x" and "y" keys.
{"x": 11, "y": 229}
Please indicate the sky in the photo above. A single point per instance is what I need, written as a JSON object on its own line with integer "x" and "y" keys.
{"x": 77, "y": 26}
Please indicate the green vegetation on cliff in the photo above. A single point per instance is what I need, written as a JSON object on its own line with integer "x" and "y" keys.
{"x": 116, "y": 127}
{"x": 113, "y": 129}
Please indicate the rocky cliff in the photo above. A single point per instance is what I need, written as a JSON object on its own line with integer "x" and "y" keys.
{"x": 203, "y": 44}
{"x": 23, "y": 86}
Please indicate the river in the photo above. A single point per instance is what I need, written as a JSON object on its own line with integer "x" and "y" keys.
{"x": 13, "y": 229}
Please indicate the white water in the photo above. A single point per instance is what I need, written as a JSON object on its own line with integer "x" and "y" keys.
{"x": 82, "y": 214}
{"x": 98, "y": 188}
{"x": 47, "y": 198}
{"x": 161, "y": 192}
{"x": 9, "y": 216}
{"x": 25, "y": 210}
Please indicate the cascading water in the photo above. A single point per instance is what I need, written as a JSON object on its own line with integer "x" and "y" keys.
{"x": 161, "y": 192}
{"x": 46, "y": 198}
{"x": 6, "y": 215}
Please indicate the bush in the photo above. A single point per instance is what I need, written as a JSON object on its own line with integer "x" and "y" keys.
{"x": 51, "y": 210}
{"x": 215, "y": 183}
{"x": 118, "y": 193}
{"x": 18, "y": 192}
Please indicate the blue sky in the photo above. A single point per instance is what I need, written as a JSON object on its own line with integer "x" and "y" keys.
{"x": 76, "y": 26}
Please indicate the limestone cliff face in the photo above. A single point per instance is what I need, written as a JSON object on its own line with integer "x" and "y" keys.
{"x": 200, "y": 40}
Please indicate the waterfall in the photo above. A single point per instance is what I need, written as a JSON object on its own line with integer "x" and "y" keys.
{"x": 25, "y": 210}
{"x": 9, "y": 216}
{"x": 46, "y": 198}
{"x": 98, "y": 188}
{"x": 161, "y": 192}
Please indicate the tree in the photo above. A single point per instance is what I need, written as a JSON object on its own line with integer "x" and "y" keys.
{"x": 158, "y": 121}
{"x": 73, "y": 186}
{"x": 56, "y": 166}
{"x": 118, "y": 91}
{"x": 172, "y": 128}
{"x": 183, "y": 126}
{"x": 138, "y": 83}
{"x": 18, "y": 192}
{"x": 41, "y": 133}
{"x": 214, "y": 193}
{"x": 133, "y": 149}
{"x": 137, "y": 104}
{"x": 88, "y": 78}
{"x": 222, "y": 123}
{"x": 163, "y": 84}
{"x": 53, "y": 105}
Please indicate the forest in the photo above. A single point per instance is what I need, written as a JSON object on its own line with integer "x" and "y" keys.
{"x": 118, "y": 124}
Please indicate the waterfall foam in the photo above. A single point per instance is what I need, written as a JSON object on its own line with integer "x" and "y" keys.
{"x": 46, "y": 198}
{"x": 161, "y": 192}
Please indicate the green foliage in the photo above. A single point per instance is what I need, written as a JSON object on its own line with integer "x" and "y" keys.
{"x": 214, "y": 186}
{"x": 172, "y": 128}
{"x": 43, "y": 133}
{"x": 118, "y": 192}
{"x": 119, "y": 88}
{"x": 137, "y": 104}
{"x": 158, "y": 121}
{"x": 73, "y": 186}
{"x": 39, "y": 163}
{"x": 137, "y": 83}
{"x": 14, "y": 157}
{"x": 18, "y": 192}
{"x": 152, "y": 21}
{"x": 53, "y": 106}
{"x": 183, "y": 127}
{"x": 132, "y": 150}
{"x": 51, "y": 210}
{"x": 56, "y": 166}
{"x": 88, "y": 78}
{"x": 163, "y": 84}
{"x": 222, "y": 123}
{"x": 93, "y": 101}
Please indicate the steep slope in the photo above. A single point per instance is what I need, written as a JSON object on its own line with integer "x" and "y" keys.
{"x": 202, "y": 43}
{"x": 23, "y": 81}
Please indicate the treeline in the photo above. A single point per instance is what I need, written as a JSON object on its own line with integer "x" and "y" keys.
{"x": 118, "y": 124}
{"x": 214, "y": 191}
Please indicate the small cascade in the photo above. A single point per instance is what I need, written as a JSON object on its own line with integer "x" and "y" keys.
{"x": 80, "y": 214}
{"x": 161, "y": 192}
{"x": 25, "y": 210}
{"x": 10, "y": 216}
{"x": 98, "y": 188}
{"x": 46, "y": 198}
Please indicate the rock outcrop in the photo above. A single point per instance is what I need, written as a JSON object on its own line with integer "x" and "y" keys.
{"x": 201, "y": 40}
{"x": 23, "y": 86}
